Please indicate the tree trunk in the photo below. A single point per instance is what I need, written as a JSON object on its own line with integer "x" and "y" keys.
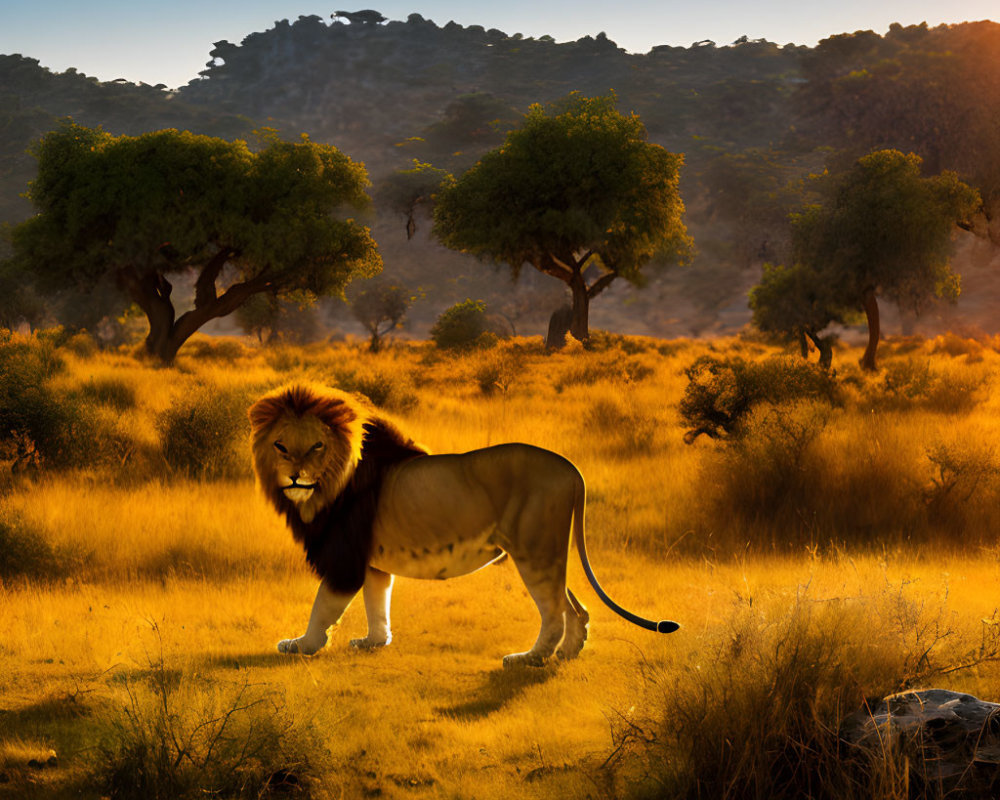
{"x": 803, "y": 344}
{"x": 870, "y": 303}
{"x": 165, "y": 348}
{"x": 825, "y": 350}
{"x": 167, "y": 332}
{"x": 580, "y": 326}
{"x": 559, "y": 324}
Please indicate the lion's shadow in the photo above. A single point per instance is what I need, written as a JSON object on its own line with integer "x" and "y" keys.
{"x": 500, "y": 687}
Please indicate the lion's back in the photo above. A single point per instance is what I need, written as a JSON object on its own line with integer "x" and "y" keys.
{"x": 431, "y": 497}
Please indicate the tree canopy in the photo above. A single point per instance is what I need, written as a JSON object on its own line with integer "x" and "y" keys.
{"x": 150, "y": 207}
{"x": 577, "y": 192}
{"x": 884, "y": 230}
{"x": 797, "y": 302}
{"x": 380, "y": 306}
{"x": 405, "y": 190}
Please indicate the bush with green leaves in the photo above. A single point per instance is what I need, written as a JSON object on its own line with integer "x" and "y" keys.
{"x": 721, "y": 392}
{"x": 915, "y": 383}
{"x": 463, "y": 326}
{"x": 23, "y": 551}
{"x": 203, "y": 434}
{"x": 39, "y": 426}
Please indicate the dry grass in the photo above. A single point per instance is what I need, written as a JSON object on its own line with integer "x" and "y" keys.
{"x": 149, "y": 644}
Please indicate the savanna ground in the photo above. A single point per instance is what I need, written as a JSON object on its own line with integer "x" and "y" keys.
{"x": 834, "y": 549}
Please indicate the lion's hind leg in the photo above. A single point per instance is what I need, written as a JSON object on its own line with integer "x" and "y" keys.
{"x": 547, "y": 587}
{"x": 577, "y": 620}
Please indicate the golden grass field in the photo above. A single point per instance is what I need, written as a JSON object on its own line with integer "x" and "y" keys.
{"x": 839, "y": 552}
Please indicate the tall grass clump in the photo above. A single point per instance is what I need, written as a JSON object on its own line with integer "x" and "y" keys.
{"x": 178, "y": 737}
{"x": 204, "y": 433}
{"x": 613, "y": 366}
{"x": 626, "y": 427}
{"x": 115, "y": 393}
{"x": 757, "y": 711}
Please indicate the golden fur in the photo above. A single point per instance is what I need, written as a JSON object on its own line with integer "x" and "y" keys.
{"x": 367, "y": 503}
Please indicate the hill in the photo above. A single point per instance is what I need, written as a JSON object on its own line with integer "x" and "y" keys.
{"x": 753, "y": 119}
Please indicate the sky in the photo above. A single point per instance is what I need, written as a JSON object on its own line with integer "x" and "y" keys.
{"x": 168, "y": 42}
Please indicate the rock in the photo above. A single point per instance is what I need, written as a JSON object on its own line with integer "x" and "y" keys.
{"x": 952, "y": 739}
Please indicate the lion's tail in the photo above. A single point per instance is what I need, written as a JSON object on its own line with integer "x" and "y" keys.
{"x": 579, "y": 503}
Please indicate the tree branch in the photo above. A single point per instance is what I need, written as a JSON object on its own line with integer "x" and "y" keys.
{"x": 600, "y": 284}
{"x": 227, "y": 303}
{"x": 550, "y": 265}
{"x": 563, "y": 265}
{"x": 204, "y": 288}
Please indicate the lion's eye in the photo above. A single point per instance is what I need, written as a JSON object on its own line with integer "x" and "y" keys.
{"x": 317, "y": 447}
{"x": 280, "y": 447}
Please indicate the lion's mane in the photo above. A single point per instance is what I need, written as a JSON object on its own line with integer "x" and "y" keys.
{"x": 338, "y": 540}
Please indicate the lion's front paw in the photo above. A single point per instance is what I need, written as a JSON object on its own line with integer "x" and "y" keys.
{"x": 528, "y": 659}
{"x": 369, "y": 643}
{"x": 299, "y": 645}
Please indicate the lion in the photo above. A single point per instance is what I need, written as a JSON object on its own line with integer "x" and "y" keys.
{"x": 368, "y": 503}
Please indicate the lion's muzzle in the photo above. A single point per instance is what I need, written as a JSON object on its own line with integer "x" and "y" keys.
{"x": 299, "y": 492}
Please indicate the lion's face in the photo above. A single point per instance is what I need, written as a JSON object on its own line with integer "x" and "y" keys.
{"x": 305, "y": 447}
{"x": 302, "y": 449}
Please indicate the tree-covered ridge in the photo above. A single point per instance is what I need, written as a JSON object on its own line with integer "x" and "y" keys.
{"x": 33, "y": 100}
{"x": 752, "y": 118}
{"x": 404, "y": 73}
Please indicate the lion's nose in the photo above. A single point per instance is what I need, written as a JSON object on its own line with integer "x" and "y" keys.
{"x": 294, "y": 477}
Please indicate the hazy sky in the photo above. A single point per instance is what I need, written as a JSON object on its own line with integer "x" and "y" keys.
{"x": 168, "y": 42}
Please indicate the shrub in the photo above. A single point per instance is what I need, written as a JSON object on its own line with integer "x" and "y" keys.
{"x": 721, "y": 393}
{"x": 82, "y": 344}
{"x": 463, "y": 326}
{"x": 498, "y": 371}
{"x": 965, "y": 482}
{"x": 214, "y": 348}
{"x": 768, "y": 480}
{"x": 381, "y": 389}
{"x": 175, "y": 739}
{"x": 954, "y": 345}
{"x": 23, "y": 551}
{"x": 912, "y": 383}
{"x": 758, "y": 710}
{"x": 203, "y": 434}
{"x": 385, "y": 392}
{"x": 38, "y": 425}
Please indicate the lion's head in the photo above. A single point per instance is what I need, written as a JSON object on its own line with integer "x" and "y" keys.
{"x": 306, "y": 446}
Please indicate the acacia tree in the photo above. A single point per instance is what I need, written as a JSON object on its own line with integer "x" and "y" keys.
{"x": 380, "y": 307}
{"x": 578, "y": 193}
{"x": 147, "y": 208}
{"x": 797, "y": 302}
{"x": 884, "y": 230}
{"x": 404, "y": 191}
